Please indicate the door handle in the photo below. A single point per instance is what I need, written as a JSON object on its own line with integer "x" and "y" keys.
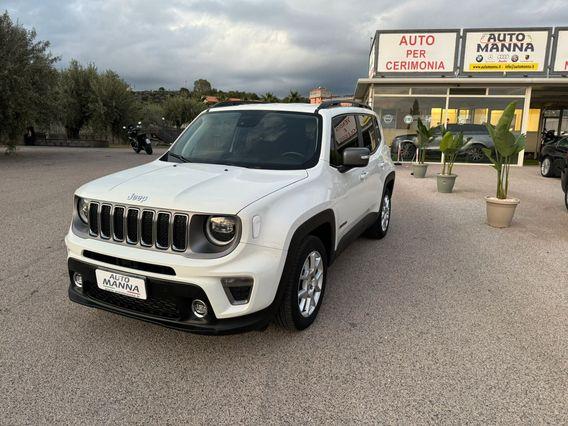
{"x": 363, "y": 175}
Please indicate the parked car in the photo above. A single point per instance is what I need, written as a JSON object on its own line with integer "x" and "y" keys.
{"x": 237, "y": 224}
{"x": 564, "y": 182}
{"x": 553, "y": 157}
{"x": 471, "y": 152}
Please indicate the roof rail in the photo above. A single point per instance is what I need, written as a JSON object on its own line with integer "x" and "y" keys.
{"x": 338, "y": 103}
{"x": 234, "y": 103}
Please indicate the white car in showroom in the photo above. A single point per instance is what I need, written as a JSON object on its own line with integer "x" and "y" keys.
{"x": 236, "y": 225}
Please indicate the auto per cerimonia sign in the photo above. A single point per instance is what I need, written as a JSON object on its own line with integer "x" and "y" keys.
{"x": 421, "y": 52}
{"x": 559, "y": 64}
{"x": 505, "y": 51}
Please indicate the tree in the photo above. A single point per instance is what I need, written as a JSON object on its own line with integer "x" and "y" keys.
{"x": 28, "y": 80}
{"x": 150, "y": 114}
{"x": 269, "y": 97}
{"x": 76, "y": 96}
{"x": 180, "y": 109}
{"x": 184, "y": 91}
{"x": 293, "y": 97}
{"x": 201, "y": 87}
{"x": 113, "y": 105}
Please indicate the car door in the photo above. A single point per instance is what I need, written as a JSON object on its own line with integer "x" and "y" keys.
{"x": 560, "y": 154}
{"x": 347, "y": 186}
{"x": 374, "y": 172}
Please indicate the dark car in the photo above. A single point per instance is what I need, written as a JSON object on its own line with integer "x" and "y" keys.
{"x": 553, "y": 157}
{"x": 564, "y": 181}
{"x": 472, "y": 151}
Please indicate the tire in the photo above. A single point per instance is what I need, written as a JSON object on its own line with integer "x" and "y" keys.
{"x": 566, "y": 199}
{"x": 546, "y": 167}
{"x": 148, "y": 149}
{"x": 380, "y": 228}
{"x": 475, "y": 154}
{"x": 293, "y": 313}
{"x": 137, "y": 150}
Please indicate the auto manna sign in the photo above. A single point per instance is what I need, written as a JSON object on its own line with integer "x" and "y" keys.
{"x": 559, "y": 63}
{"x": 510, "y": 51}
{"x": 416, "y": 52}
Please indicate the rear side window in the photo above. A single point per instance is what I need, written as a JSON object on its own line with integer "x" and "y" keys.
{"x": 368, "y": 132}
{"x": 345, "y": 135}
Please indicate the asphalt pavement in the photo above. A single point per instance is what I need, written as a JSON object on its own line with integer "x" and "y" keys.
{"x": 444, "y": 321}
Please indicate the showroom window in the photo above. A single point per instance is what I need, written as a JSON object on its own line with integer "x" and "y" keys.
{"x": 465, "y": 109}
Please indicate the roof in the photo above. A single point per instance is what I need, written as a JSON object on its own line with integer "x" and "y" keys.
{"x": 310, "y": 108}
{"x": 292, "y": 107}
{"x": 364, "y": 83}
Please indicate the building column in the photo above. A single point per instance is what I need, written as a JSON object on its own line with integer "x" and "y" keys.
{"x": 525, "y": 123}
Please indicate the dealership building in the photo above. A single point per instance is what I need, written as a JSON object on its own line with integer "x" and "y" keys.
{"x": 465, "y": 78}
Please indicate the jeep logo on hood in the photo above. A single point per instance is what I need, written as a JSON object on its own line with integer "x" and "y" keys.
{"x": 136, "y": 197}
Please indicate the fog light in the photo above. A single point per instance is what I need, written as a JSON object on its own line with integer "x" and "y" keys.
{"x": 199, "y": 308}
{"x": 78, "y": 279}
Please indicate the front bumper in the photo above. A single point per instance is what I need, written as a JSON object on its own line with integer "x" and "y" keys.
{"x": 188, "y": 277}
{"x": 168, "y": 304}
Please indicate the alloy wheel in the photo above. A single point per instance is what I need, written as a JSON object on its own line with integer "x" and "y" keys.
{"x": 545, "y": 166}
{"x": 475, "y": 154}
{"x": 310, "y": 283}
{"x": 385, "y": 213}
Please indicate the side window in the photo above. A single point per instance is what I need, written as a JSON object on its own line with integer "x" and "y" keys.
{"x": 368, "y": 132}
{"x": 344, "y": 136}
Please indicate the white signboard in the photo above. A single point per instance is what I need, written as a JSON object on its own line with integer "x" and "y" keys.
{"x": 417, "y": 52}
{"x": 372, "y": 69}
{"x": 560, "y": 64}
{"x": 510, "y": 51}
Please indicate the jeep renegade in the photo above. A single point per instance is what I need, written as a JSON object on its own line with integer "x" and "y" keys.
{"x": 237, "y": 223}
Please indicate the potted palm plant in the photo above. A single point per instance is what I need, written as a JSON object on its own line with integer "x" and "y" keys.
{"x": 450, "y": 145}
{"x": 501, "y": 208}
{"x": 425, "y": 138}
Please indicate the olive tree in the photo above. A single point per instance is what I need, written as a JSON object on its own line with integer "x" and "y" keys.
{"x": 113, "y": 105}
{"x": 181, "y": 109}
{"x": 28, "y": 81}
{"x": 77, "y": 96}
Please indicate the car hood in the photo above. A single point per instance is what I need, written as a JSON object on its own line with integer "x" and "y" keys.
{"x": 206, "y": 188}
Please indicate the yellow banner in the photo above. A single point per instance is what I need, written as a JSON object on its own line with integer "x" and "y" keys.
{"x": 504, "y": 66}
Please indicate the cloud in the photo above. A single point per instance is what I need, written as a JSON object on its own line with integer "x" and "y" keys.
{"x": 251, "y": 44}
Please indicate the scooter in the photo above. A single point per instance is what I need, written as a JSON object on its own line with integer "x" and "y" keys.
{"x": 138, "y": 140}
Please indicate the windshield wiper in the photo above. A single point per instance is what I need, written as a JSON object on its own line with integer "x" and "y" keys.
{"x": 179, "y": 157}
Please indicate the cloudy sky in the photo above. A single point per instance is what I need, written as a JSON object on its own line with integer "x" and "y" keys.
{"x": 252, "y": 45}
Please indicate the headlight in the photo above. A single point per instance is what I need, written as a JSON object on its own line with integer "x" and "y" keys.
{"x": 83, "y": 210}
{"x": 221, "y": 230}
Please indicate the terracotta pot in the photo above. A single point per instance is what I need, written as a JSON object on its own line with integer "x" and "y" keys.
{"x": 500, "y": 212}
{"x": 446, "y": 183}
{"x": 419, "y": 170}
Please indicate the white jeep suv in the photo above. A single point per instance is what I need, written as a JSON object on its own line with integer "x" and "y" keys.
{"x": 237, "y": 224}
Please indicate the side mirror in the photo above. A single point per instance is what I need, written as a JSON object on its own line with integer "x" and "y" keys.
{"x": 355, "y": 157}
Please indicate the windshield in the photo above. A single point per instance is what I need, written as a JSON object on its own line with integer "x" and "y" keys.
{"x": 252, "y": 138}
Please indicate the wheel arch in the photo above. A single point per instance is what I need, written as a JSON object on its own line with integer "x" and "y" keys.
{"x": 389, "y": 182}
{"x": 321, "y": 225}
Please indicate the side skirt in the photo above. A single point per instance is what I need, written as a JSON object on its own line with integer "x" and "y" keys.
{"x": 355, "y": 232}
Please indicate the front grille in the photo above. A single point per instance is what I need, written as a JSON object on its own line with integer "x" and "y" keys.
{"x": 118, "y": 223}
{"x": 105, "y": 221}
{"x": 144, "y": 227}
{"x": 160, "y": 307}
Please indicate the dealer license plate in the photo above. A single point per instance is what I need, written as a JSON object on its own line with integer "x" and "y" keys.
{"x": 121, "y": 284}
